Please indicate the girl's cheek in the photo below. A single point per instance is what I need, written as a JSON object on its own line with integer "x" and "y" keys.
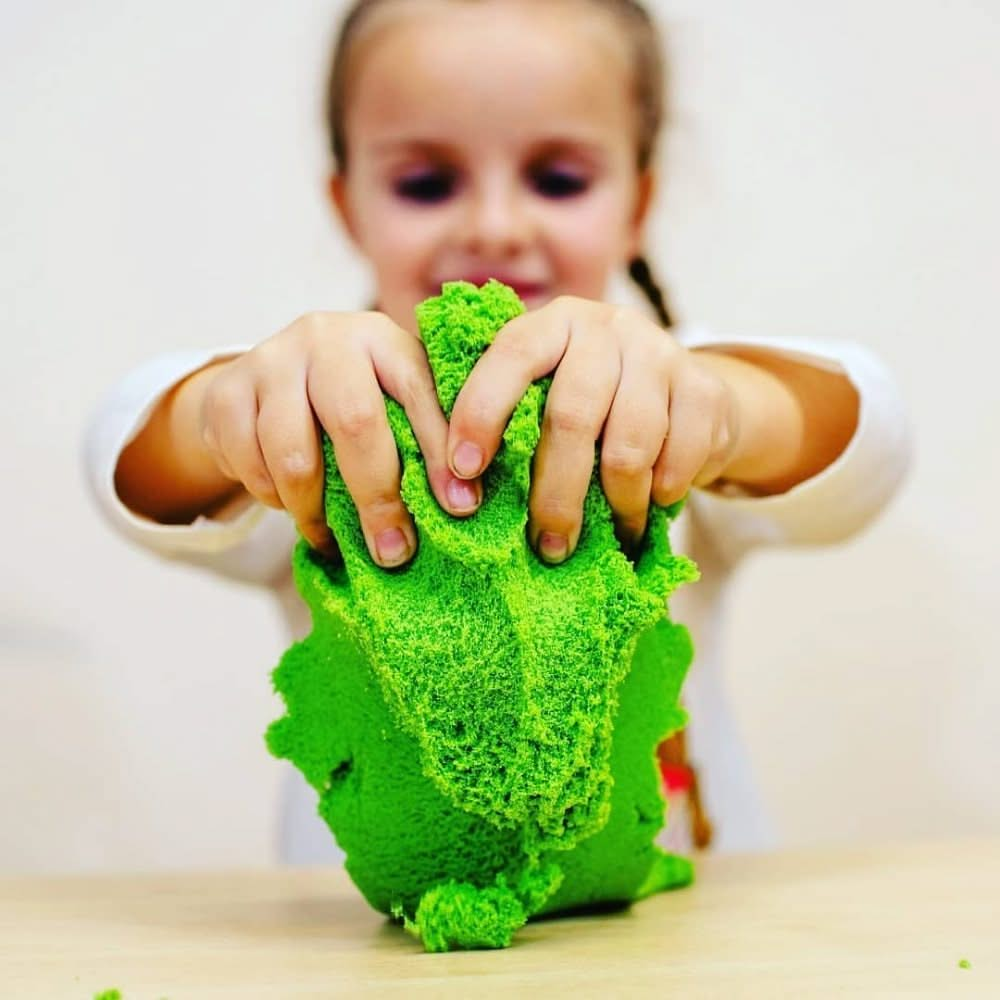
{"x": 593, "y": 236}
{"x": 593, "y": 217}
{"x": 396, "y": 231}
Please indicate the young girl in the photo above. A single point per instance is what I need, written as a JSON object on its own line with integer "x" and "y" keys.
{"x": 512, "y": 139}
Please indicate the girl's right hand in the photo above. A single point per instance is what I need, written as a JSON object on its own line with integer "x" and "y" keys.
{"x": 260, "y": 415}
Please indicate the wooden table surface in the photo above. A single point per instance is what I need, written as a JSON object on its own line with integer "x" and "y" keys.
{"x": 882, "y": 921}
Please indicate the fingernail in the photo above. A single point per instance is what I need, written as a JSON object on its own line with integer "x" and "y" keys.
{"x": 553, "y": 547}
{"x": 462, "y": 495}
{"x": 468, "y": 459}
{"x": 392, "y": 547}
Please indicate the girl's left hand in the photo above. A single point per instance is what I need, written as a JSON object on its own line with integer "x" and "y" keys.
{"x": 666, "y": 420}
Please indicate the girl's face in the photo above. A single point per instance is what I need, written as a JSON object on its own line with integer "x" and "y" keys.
{"x": 491, "y": 140}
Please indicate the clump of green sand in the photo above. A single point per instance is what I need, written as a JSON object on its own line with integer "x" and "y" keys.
{"x": 481, "y": 727}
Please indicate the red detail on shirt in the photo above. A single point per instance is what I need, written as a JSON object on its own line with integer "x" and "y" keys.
{"x": 676, "y": 777}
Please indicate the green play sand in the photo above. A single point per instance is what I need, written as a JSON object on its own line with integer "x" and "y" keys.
{"x": 480, "y": 726}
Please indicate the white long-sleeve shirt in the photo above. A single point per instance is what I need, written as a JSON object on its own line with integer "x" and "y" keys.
{"x": 716, "y": 529}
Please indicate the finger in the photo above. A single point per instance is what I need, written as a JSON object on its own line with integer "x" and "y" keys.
{"x": 211, "y": 441}
{"x": 577, "y": 405}
{"x": 718, "y": 457}
{"x": 290, "y": 444}
{"x": 233, "y": 420}
{"x": 528, "y": 347}
{"x": 348, "y": 401}
{"x": 222, "y": 404}
{"x": 633, "y": 437}
{"x": 687, "y": 447}
{"x": 403, "y": 372}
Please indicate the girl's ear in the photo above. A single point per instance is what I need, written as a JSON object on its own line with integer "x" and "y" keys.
{"x": 644, "y": 193}
{"x": 337, "y": 192}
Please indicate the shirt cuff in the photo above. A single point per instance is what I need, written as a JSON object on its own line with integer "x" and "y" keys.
{"x": 841, "y": 499}
{"x": 118, "y": 419}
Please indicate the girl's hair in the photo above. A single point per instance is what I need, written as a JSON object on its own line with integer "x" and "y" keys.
{"x": 649, "y": 88}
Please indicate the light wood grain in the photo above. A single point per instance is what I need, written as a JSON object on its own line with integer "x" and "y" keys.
{"x": 887, "y": 921}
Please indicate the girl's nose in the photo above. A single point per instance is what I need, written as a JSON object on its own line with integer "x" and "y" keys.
{"x": 497, "y": 222}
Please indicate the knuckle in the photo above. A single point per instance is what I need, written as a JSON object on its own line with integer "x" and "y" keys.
{"x": 313, "y": 324}
{"x": 297, "y": 468}
{"x": 382, "y": 507}
{"x": 627, "y": 323}
{"x": 552, "y": 513}
{"x": 414, "y": 390}
{"x": 566, "y": 303}
{"x": 624, "y": 460}
{"x": 311, "y": 331}
{"x": 722, "y": 441}
{"x": 380, "y": 324}
{"x": 623, "y": 319}
{"x": 705, "y": 386}
{"x": 562, "y": 302}
{"x": 513, "y": 342}
{"x": 207, "y": 423}
{"x": 714, "y": 392}
{"x": 210, "y": 440}
{"x": 668, "y": 350}
{"x": 223, "y": 397}
{"x": 666, "y": 489}
{"x": 663, "y": 362}
{"x": 263, "y": 352}
{"x": 357, "y": 420}
{"x": 259, "y": 483}
{"x": 570, "y": 419}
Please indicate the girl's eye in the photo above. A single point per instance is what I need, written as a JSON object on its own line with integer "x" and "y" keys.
{"x": 426, "y": 188}
{"x": 554, "y": 183}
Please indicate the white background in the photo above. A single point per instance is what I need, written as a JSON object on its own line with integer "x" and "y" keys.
{"x": 831, "y": 171}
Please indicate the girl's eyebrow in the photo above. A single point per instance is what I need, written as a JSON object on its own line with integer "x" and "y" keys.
{"x": 589, "y": 149}
{"x": 584, "y": 146}
{"x": 426, "y": 147}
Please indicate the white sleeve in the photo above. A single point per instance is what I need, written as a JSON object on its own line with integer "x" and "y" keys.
{"x": 841, "y": 499}
{"x": 251, "y": 542}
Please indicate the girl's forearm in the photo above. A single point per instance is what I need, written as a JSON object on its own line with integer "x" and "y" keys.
{"x": 166, "y": 473}
{"x": 795, "y": 419}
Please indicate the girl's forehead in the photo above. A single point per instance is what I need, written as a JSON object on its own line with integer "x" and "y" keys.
{"x": 515, "y": 65}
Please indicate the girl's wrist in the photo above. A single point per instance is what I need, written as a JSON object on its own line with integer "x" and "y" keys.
{"x": 768, "y": 422}
{"x": 167, "y": 472}
{"x": 184, "y": 427}
{"x": 795, "y": 419}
